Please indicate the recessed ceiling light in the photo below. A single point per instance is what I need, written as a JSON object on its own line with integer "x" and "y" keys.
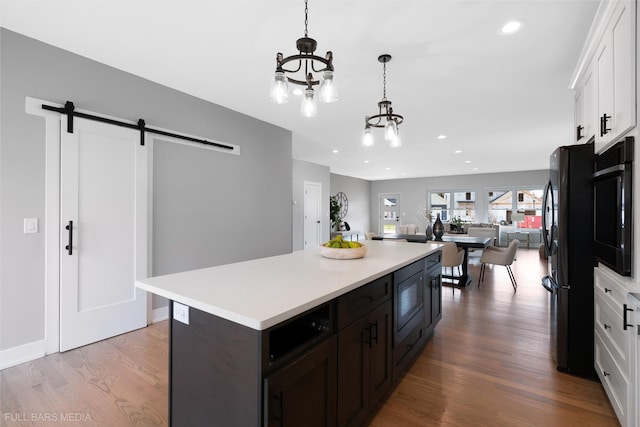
{"x": 335, "y": 151}
{"x": 366, "y": 161}
{"x": 511, "y": 27}
{"x": 442, "y": 136}
{"x": 467, "y": 161}
{"x": 457, "y": 152}
{"x": 475, "y": 169}
{"x": 387, "y": 169}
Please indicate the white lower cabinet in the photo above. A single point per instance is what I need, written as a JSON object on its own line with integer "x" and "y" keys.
{"x": 616, "y": 347}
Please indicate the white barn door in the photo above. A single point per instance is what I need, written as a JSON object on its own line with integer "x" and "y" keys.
{"x": 103, "y": 211}
{"x": 312, "y": 214}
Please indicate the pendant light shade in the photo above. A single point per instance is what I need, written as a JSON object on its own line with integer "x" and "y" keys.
{"x": 367, "y": 137}
{"x": 328, "y": 89}
{"x": 309, "y": 107}
{"x": 279, "y": 88}
{"x": 396, "y": 142}
{"x": 390, "y": 130}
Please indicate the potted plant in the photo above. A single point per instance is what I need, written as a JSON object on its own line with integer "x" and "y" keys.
{"x": 334, "y": 213}
{"x": 456, "y": 224}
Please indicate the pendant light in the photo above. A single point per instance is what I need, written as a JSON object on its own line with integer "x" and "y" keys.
{"x": 385, "y": 118}
{"x": 306, "y": 63}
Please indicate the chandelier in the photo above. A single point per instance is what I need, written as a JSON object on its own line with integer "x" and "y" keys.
{"x": 307, "y": 63}
{"x": 385, "y": 118}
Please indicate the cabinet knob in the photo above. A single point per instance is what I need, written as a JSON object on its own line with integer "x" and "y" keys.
{"x": 605, "y": 373}
{"x": 606, "y": 326}
{"x": 607, "y": 290}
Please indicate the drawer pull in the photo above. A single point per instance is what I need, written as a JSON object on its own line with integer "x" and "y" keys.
{"x": 625, "y": 325}
{"x": 374, "y": 335}
{"x": 606, "y": 326}
{"x": 368, "y": 337}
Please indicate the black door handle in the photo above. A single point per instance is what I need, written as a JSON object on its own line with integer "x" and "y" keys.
{"x": 603, "y": 124}
{"x": 69, "y": 247}
{"x": 374, "y": 335}
{"x": 579, "y": 132}
{"x": 625, "y": 325}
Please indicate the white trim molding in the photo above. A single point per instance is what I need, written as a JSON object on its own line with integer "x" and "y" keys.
{"x": 22, "y": 353}
{"x": 160, "y": 314}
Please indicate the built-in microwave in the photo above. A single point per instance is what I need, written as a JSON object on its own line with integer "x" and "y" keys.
{"x": 409, "y": 299}
{"x": 612, "y": 198}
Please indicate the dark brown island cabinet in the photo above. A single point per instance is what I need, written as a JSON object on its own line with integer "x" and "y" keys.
{"x": 333, "y": 365}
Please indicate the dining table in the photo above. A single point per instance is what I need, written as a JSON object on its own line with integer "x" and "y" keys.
{"x": 462, "y": 241}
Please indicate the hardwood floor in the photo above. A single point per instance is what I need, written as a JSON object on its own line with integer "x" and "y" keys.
{"x": 487, "y": 364}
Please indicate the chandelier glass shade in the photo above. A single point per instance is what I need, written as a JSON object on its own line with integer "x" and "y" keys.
{"x": 385, "y": 118}
{"x": 302, "y": 67}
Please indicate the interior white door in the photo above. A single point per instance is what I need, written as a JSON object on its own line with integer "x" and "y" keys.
{"x": 389, "y": 213}
{"x": 312, "y": 214}
{"x": 103, "y": 196}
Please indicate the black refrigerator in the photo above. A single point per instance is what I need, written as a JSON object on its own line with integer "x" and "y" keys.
{"x": 567, "y": 222}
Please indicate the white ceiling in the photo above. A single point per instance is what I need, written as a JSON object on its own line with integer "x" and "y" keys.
{"x": 503, "y": 101}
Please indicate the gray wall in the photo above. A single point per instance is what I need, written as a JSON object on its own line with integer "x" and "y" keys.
{"x": 413, "y": 192}
{"x": 209, "y": 208}
{"x": 358, "y": 193}
{"x": 311, "y": 172}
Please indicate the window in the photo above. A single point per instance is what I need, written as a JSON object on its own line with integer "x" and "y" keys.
{"x": 500, "y": 206}
{"x": 464, "y": 206}
{"x": 513, "y": 207}
{"x": 451, "y": 204}
{"x": 440, "y": 204}
{"x": 530, "y": 205}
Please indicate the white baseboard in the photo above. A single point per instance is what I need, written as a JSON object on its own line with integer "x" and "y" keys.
{"x": 22, "y": 353}
{"x": 160, "y": 314}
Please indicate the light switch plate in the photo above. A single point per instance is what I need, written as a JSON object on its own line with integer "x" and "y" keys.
{"x": 30, "y": 225}
{"x": 181, "y": 312}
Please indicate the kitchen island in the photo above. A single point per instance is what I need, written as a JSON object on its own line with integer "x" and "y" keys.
{"x": 297, "y": 337}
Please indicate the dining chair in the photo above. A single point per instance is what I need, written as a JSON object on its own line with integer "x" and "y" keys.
{"x": 500, "y": 256}
{"x": 452, "y": 256}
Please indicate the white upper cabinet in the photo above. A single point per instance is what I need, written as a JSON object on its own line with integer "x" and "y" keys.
{"x": 604, "y": 79}
{"x": 585, "y": 108}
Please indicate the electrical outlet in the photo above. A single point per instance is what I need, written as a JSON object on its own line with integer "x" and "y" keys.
{"x": 30, "y": 225}
{"x": 181, "y": 312}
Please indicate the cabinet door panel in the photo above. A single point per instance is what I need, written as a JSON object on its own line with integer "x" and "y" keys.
{"x": 353, "y": 373}
{"x": 436, "y": 297}
{"x": 589, "y": 112}
{"x": 623, "y": 48}
{"x": 578, "y": 115}
{"x": 380, "y": 355}
{"x": 604, "y": 67}
{"x": 361, "y": 301}
{"x": 304, "y": 392}
{"x": 428, "y": 301}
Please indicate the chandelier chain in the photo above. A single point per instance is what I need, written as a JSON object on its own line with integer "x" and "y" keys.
{"x": 306, "y": 18}
{"x": 384, "y": 80}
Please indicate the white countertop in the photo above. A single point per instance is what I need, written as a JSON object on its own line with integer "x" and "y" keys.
{"x": 264, "y": 292}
